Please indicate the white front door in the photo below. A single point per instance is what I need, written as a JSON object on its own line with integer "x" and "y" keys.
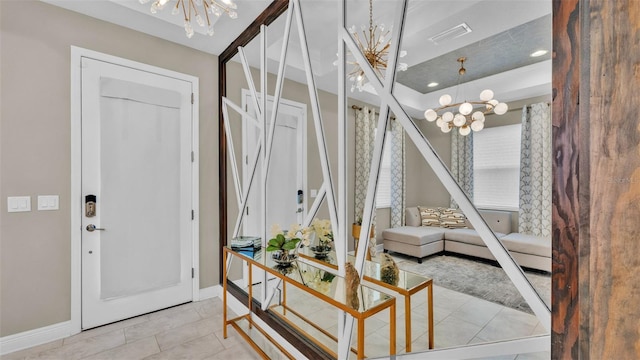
{"x": 286, "y": 181}
{"x": 136, "y": 164}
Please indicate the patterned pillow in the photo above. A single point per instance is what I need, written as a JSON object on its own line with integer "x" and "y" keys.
{"x": 429, "y": 216}
{"x": 452, "y": 218}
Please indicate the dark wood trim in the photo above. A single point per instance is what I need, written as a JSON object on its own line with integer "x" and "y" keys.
{"x": 567, "y": 209}
{"x": 269, "y": 15}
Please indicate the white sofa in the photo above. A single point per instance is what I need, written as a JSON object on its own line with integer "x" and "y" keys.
{"x": 421, "y": 241}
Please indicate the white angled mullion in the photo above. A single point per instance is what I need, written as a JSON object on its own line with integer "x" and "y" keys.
{"x": 279, "y": 83}
{"x": 511, "y": 268}
{"x": 313, "y": 210}
{"x": 344, "y": 339}
{"x": 231, "y": 149}
{"x": 264, "y": 139}
{"x": 381, "y": 134}
{"x": 243, "y": 113}
{"x": 250, "y": 83}
{"x": 317, "y": 117}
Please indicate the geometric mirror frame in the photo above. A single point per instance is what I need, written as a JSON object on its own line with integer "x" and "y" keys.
{"x": 337, "y": 207}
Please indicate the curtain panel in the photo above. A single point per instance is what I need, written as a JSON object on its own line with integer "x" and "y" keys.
{"x": 462, "y": 162}
{"x": 397, "y": 174}
{"x": 366, "y": 123}
{"x": 365, "y": 138}
{"x": 535, "y": 171}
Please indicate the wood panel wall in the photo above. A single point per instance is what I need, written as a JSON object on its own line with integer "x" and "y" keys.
{"x": 565, "y": 324}
{"x": 614, "y": 281}
{"x": 596, "y": 215}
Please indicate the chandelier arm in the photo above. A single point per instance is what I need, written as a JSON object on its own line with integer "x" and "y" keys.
{"x": 221, "y": 6}
{"x": 184, "y": 11}
{"x": 206, "y": 11}
{"x": 191, "y": 4}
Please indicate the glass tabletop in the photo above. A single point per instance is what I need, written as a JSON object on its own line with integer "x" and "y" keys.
{"x": 319, "y": 281}
{"x": 372, "y": 270}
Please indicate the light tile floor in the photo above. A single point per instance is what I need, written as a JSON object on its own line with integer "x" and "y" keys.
{"x": 194, "y": 331}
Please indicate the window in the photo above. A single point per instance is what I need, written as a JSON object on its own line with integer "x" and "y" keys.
{"x": 496, "y": 167}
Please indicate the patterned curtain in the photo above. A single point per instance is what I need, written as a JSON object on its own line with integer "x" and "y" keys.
{"x": 366, "y": 123}
{"x": 398, "y": 183}
{"x": 365, "y": 137}
{"x": 462, "y": 162}
{"x": 535, "y": 171}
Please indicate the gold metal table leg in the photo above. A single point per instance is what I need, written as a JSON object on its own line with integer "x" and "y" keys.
{"x": 360, "y": 338}
{"x": 430, "y": 298}
{"x": 392, "y": 335}
{"x": 407, "y": 321}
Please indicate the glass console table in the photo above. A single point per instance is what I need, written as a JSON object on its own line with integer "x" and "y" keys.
{"x": 370, "y": 301}
{"x": 408, "y": 284}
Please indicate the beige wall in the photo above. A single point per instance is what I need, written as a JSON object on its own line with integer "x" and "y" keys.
{"x": 35, "y": 150}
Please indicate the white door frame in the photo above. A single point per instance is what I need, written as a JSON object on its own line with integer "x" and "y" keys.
{"x": 300, "y": 110}
{"x": 302, "y": 148}
{"x": 77, "y": 54}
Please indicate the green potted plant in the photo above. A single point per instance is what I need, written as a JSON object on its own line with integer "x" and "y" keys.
{"x": 283, "y": 244}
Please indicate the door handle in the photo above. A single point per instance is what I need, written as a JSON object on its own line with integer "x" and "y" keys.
{"x": 92, "y": 228}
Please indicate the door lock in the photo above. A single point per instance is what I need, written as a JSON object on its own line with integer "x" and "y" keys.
{"x": 92, "y": 228}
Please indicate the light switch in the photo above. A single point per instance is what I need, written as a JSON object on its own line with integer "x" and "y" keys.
{"x": 314, "y": 193}
{"x": 18, "y": 203}
{"x": 48, "y": 202}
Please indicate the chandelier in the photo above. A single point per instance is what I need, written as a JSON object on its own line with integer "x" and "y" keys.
{"x": 190, "y": 9}
{"x": 374, "y": 44}
{"x": 466, "y": 119}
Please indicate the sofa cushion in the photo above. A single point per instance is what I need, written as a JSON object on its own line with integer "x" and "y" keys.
{"x": 414, "y": 235}
{"x": 429, "y": 216}
{"x": 498, "y": 221}
{"x": 469, "y": 236}
{"x": 412, "y": 216}
{"x": 452, "y": 218}
{"x": 527, "y": 244}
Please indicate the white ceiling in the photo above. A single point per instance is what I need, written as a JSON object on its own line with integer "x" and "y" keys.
{"x": 425, "y": 18}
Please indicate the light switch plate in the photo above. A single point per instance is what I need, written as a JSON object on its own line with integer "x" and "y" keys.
{"x": 18, "y": 203}
{"x": 314, "y": 193}
{"x": 48, "y": 202}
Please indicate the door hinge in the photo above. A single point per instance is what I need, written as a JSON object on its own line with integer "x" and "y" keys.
{"x": 193, "y": 156}
{"x": 193, "y": 273}
{"x": 246, "y": 159}
{"x": 192, "y": 99}
{"x": 193, "y": 214}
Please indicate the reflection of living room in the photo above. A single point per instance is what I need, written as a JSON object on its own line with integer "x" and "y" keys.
{"x": 422, "y": 188}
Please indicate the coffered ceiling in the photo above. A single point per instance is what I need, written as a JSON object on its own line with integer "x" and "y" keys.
{"x": 498, "y": 48}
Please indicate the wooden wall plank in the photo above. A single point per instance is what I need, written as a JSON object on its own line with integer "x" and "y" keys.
{"x": 565, "y": 322}
{"x": 615, "y": 179}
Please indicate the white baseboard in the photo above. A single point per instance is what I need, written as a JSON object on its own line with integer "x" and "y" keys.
{"x": 27, "y": 339}
{"x": 210, "y": 292}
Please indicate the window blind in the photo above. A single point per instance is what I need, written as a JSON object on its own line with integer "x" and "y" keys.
{"x": 496, "y": 167}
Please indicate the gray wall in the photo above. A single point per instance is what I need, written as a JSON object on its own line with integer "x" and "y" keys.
{"x": 35, "y": 150}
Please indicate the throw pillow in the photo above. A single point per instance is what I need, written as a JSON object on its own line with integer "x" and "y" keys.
{"x": 429, "y": 216}
{"x": 452, "y": 218}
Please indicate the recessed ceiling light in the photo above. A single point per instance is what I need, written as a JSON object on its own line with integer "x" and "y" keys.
{"x": 432, "y": 84}
{"x": 538, "y": 53}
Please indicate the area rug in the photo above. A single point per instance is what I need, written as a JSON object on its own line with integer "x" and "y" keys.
{"x": 476, "y": 278}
